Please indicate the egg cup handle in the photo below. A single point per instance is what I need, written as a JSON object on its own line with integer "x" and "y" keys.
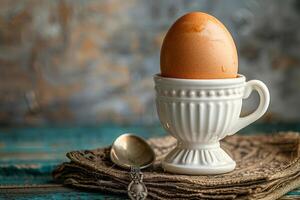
{"x": 264, "y": 96}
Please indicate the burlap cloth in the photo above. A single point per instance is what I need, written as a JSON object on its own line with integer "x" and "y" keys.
{"x": 267, "y": 167}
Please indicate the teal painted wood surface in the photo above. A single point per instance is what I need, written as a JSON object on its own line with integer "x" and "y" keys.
{"x": 29, "y": 154}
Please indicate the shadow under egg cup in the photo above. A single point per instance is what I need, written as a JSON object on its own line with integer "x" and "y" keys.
{"x": 201, "y": 112}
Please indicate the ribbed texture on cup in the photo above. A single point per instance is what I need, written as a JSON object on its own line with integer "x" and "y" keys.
{"x": 198, "y": 121}
{"x": 197, "y": 113}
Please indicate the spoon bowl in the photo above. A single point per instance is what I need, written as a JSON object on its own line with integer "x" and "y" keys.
{"x": 131, "y": 151}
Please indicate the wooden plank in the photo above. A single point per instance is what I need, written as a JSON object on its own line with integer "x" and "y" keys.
{"x": 52, "y": 191}
{"x": 29, "y": 154}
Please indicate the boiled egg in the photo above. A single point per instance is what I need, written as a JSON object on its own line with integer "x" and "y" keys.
{"x": 198, "y": 46}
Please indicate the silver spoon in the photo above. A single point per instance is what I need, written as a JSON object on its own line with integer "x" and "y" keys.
{"x": 132, "y": 152}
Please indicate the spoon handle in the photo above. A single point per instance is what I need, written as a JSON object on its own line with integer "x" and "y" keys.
{"x": 136, "y": 188}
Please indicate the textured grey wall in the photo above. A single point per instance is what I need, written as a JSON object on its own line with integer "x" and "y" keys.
{"x": 92, "y": 61}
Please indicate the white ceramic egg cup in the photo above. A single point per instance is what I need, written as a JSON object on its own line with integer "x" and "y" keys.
{"x": 201, "y": 112}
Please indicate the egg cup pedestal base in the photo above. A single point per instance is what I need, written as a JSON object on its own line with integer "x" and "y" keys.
{"x": 198, "y": 159}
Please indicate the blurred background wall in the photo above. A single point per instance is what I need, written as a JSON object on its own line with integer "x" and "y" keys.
{"x": 85, "y": 61}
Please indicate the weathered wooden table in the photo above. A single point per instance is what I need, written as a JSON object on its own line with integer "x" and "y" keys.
{"x": 29, "y": 154}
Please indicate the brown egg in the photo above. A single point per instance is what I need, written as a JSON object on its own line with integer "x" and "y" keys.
{"x": 198, "y": 46}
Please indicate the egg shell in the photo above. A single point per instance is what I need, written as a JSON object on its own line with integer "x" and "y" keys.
{"x": 198, "y": 46}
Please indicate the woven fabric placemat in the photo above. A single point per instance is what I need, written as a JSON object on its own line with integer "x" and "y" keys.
{"x": 268, "y": 166}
